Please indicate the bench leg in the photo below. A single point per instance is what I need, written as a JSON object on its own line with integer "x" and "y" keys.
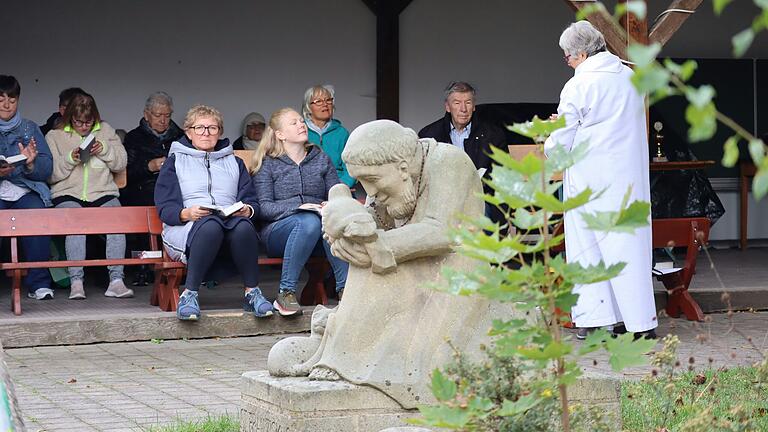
{"x": 679, "y": 299}
{"x": 165, "y": 292}
{"x": 16, "y": 292}
{"x": 314, "y": 291}
{"x": 154, "y": 298}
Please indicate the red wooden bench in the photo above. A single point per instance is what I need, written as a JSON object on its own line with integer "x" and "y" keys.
{"x": 691, "y": 234}
{"x": 117, "y": 220}
{"x": 74, "y": 221}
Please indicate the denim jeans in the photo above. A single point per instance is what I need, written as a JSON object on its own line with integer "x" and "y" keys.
{"x": 295, "y": 238}
{"x": 37, "y": 248}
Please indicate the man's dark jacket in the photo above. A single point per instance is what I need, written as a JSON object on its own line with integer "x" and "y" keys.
{"x": 142, "y": 146}
{"x": 477, "y": 146}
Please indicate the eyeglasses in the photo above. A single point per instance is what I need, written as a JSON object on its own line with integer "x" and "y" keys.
{"x": 567, "y": 58}
{"x": 200, "y": 129}
{"x": 80, "y": 123}
{"x": 328, "y": 101}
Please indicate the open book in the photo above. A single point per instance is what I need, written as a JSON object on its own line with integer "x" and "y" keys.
{"x": 85, "y": 147}
{"x": 222, "y": 210}
{"x": 12, "y": 160}
{"x": 317, "y": 208}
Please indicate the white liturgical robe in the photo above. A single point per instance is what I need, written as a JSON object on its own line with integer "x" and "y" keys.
{"x": 604, "y": 111}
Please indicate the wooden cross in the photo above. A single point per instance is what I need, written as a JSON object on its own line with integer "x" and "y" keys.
{"x": 637, "y": 29}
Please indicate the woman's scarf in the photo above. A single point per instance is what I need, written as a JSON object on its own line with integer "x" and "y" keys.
{"x": 13, "y": 123}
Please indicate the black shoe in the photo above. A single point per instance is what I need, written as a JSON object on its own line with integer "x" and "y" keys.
{"x": 140, "y": 280}
{"x": 648, "y": 334}
{"x": 618, "y": 330}
{"x": 583, "y": 332}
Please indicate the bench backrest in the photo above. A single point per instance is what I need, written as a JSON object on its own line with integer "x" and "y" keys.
{"x": 246, "y": 156}
{"x": 679, "y": 232}
{"x": 73, "y": 221}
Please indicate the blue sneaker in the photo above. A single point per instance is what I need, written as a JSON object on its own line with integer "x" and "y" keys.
{"x": 256, "y": 303}
{"x": 188, "y": 308}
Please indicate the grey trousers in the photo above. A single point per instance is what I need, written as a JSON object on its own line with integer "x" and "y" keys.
{"x": 75, "y": 246}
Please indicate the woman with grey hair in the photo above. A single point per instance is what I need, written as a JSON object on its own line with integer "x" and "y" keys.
{"x": 147, "y": 147}
{"x": 604, "y": 112}
{"x": 324, "y": 130}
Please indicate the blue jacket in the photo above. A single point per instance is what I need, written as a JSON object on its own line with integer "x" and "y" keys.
{"x": 36, "y": 180}
{"x": 282, "y": 186}
{"x": 333, "y": 141}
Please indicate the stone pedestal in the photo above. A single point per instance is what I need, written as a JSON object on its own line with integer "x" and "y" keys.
{"x": 272, "y": 404}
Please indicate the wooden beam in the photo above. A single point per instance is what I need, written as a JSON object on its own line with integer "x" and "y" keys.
{"x": 669, "y": 23}
{"x": 615, "y": 36}
{"x": 637, "y": 29}
{"x": 387, "y": 56}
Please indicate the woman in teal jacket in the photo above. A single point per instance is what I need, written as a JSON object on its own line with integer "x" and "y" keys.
{"x": 324, "y": 130}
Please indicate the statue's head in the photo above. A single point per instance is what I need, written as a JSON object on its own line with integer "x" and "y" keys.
{"x": 385, "y": 158}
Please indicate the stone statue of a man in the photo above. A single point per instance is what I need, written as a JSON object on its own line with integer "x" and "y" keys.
{"x": 391, "y": 329}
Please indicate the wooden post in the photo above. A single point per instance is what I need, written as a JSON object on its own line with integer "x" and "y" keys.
{"x": 387, "y": 56}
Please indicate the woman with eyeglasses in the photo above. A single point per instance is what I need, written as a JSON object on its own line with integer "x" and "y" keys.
{"x": 84, "y": 178}
{"x": 202, "y": 174}
{"x": 324, "y": 130}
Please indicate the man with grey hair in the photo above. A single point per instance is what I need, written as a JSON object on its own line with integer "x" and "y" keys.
{"x": 462, "y": 127}
{"x": 147, "y": 147}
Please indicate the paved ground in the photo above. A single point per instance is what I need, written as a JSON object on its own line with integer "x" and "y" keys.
{"x": 131, "y": 386}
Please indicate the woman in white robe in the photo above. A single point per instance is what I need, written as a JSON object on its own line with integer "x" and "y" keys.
{"x": 605, "y": 112}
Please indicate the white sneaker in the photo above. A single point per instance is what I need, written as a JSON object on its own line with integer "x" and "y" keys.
{"x": 117, "y": 289}
{"x": 76, "y": 290}
{"x": 41, "y": 294}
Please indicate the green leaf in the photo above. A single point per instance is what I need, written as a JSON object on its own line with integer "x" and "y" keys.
{"x": 528, "y": 220}
{"x": 443, "y": 388}
{"x": 700, "y": 97}
{"x": 719, "y": 5}
{"x": 651, "y": 79}
{"x": 443, "y": 417}
{"x": 624, "y": 352}
{"x": 588, "y": 10}
{"x": 684, "y": 71}
{"x": 537, "y": 128}
{"x": 594, "y": 341}
{"x": 702, "y": 120}
{"x": 757, "y": 151}
{"x": 643, "y": 55}
{"x": 760, "y": 182}
{"x": 551, "y": 351}
{"x": 731, "y": 151}
{"x": 761, "y": 4}
{"x": 552, "y": 204}
{"x": 742, "y": 41}
{"x": 625, "y": 220}
{"x": 521, "y": 406}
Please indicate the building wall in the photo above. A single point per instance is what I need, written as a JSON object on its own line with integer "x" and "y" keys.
{"x": 245, "y": 55}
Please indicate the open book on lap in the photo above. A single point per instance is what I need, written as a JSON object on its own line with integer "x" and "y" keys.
{"x": 317, "y": 208}
{"x": 15, "y": 160}
{"x": 223, "y": 211}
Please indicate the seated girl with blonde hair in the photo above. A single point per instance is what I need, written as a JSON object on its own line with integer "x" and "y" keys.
{"x": 292, "y": 179}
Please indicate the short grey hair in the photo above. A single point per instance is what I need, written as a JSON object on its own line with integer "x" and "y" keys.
{"x": 158, "y": 98}
{"x": 311, "y": 92}
{"x": 459, "y": 87}
{"x": 582, "y": 37}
